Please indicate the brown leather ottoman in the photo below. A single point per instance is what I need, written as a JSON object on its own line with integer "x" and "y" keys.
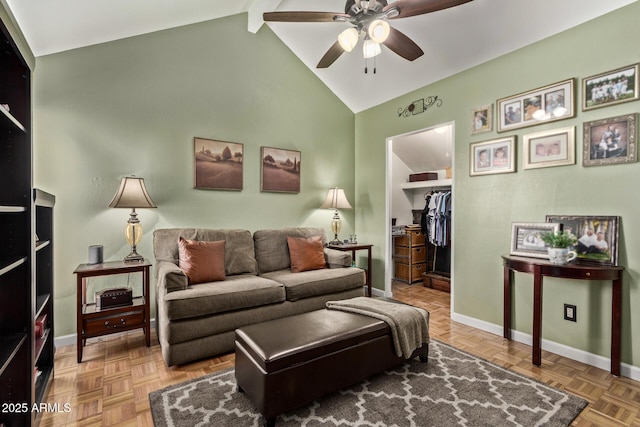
{"x": 286, "y": 363}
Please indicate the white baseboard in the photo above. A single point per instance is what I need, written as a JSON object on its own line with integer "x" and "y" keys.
{"x": 626, "y": 370}
{"x": 71, "y": 339}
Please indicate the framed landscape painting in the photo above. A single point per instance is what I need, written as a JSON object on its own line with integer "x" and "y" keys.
{"x": 217, "y": 164}
{"x": 280, "y": 170}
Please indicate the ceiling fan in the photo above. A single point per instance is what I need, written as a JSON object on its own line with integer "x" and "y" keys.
{"x": 369, "y": 22}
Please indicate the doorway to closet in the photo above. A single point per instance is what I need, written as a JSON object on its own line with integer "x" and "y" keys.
{"x": 418, "y": 209}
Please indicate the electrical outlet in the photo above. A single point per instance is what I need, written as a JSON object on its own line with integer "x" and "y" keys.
{"x": 570, "y": 312}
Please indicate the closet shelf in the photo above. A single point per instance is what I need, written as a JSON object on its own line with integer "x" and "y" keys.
{"x": 423, "y": 185}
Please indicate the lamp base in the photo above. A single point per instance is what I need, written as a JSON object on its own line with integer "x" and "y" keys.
{"x": 336, "y": 242}
{"x": 134, "y": 257}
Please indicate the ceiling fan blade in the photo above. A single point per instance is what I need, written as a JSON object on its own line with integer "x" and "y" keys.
{"x": 331, "y": 55}
{"x": 420, "y": 7}
{"x": 403, "y": 45}
{"x": 302, "y": 16}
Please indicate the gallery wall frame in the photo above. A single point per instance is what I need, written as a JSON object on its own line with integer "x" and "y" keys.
{"x": 542, "y": 105}
{"x": 218, "y": 165}
{"x": 610, "y": 141}
{"x": 556, "y": 147}
{"x": 526, "y": 238}
{"x": 492, "y": 157}
{"x": 482, "y": 119}
{"x": 280, "y": 170}
{"x": 597, "y": 237}
{"x": 610, "y": 88}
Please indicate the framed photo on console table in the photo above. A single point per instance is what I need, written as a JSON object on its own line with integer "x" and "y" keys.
{"x": 542, "y": 105}
{"x": 597, "y": 237}
{"x": 526, "y": 238}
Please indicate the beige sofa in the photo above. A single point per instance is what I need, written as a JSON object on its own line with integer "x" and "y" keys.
{"x": 199, "y": 321}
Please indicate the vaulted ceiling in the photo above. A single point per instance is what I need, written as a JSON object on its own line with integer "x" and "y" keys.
{"x": 453, "y": 39}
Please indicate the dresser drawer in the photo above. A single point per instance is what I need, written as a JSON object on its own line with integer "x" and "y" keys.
{"x": 409, "y": 273}
{"x": 413, "y": 237}
{"x": 116, "y": 322}
{"x": 409, "y": 255}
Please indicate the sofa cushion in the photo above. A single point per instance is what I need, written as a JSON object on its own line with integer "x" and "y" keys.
{"x": 317, "y": 282}
{"x": 272, "y": 251}
{"x": 202, "y": 261}
{"x": 235, "y": 293}
{"x": 238, "y": 252}
{"x": 306, "y": 253}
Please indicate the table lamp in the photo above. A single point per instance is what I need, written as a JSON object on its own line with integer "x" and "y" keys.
{"x": 132, "y": 194}
{"x": 336, "y": 199}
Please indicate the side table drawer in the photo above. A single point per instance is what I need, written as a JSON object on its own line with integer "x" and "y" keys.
{"x": 113, "y": 323}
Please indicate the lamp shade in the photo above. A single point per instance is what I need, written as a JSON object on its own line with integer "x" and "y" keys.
{"x": 379, "y": 30}
{"x": 132, "y": 194}
{"x": 348, "y": 39}
{"x": 336, "y": 199}
{"x": 370, "y": 49}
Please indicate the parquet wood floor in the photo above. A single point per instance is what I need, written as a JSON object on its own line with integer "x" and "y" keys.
{"x": 111, "y": 386}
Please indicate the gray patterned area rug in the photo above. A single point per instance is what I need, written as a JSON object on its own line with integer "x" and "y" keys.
{"x": 453, "y": 388}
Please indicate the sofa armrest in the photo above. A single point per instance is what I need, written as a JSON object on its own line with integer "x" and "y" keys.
{"x": 336, "y": 258}
{"x": 170, "y": 277}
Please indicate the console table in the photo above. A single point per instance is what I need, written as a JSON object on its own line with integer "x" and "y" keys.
{"x": 93, "y": 322}
{"x": 353, "y": 247}
{"x": 540, "y": 268}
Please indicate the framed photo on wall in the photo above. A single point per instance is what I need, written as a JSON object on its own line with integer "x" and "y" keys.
{"x": 611, "y": 87}
{"x": 491, "y": 157}
{"x": 555, "y": 147}
{"x": 526, "y": 238}
{"x": 217, "y": 164}
{"x": 597, "y": 237}
{"x": 610, "y": 141}
{"x": 542, "y": 105}
{"x": 482, "y": 119}
{"x": 280, "y": 170}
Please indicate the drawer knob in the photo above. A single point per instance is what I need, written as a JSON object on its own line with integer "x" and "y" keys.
{"x": 588, "y": 274}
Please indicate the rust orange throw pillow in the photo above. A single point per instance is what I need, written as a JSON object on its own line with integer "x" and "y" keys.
{"x": 306, "y": 253}
{"x": 201, "y": 261}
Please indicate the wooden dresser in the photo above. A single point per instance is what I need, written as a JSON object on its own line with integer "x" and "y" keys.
{"x": 409, "y": 255}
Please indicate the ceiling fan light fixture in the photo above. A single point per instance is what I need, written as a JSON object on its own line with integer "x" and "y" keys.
{"x": 348, "y": 39}
{"x": 379, "y": 30}
{"x": 371, "y": 49}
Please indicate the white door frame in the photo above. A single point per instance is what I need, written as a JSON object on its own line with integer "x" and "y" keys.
{"x": 388, "y": 251}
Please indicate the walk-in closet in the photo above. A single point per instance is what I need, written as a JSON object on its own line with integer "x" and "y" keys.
{"x": 420, "y": 208}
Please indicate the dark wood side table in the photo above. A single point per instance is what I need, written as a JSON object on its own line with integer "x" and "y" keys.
{"x": 353, "y": 247}
{"x": 540, "y": 268}
{"x": 92, "y": 322}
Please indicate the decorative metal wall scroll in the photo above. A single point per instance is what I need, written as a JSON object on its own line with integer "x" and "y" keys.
{"x": 420, "y": 106}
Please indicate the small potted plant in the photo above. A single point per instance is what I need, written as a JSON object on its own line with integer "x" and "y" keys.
{"x": 558, "y": 246}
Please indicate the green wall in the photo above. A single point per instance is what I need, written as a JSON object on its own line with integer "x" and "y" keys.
{"x": 485, "y": 206}
{"x": 134, "y": 106}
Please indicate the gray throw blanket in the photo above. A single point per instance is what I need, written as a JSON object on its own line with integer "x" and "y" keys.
{"x": 409, "y": 325}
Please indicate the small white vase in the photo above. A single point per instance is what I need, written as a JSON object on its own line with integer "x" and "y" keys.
{"x": 560, "y": 256}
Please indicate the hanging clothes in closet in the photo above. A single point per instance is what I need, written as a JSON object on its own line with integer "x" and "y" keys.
{"x": 436, "y": 218}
